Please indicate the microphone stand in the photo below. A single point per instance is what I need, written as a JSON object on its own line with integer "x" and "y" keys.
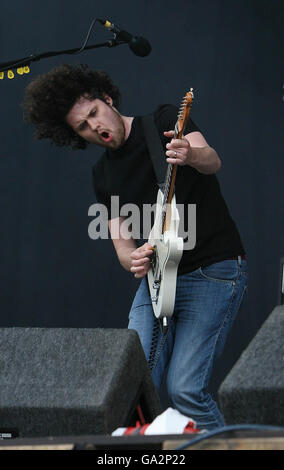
{"x": 26, "y": 61}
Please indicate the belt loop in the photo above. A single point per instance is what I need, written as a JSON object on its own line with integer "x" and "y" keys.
{"x": 240, "y": 260}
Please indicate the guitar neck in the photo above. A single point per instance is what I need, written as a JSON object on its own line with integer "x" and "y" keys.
{"x": 169, "y": 184}
{"x": 172, "y": 168}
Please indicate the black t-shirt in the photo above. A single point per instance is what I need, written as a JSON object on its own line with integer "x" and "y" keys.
{"x": 129, "y": 174}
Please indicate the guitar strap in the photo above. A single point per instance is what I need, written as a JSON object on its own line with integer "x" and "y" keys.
{"x": 155, "y": 148}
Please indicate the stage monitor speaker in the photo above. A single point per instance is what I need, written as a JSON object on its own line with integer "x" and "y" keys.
{"x": 68, "y": 381}
{"x": 253, "y": 391}
{"x": 281, "y": 283}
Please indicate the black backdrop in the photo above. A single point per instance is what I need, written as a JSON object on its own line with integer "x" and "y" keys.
{"x": 52, "y": 273}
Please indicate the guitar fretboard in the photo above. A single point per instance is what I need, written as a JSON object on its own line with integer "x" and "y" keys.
{"x": 170, "y": 178}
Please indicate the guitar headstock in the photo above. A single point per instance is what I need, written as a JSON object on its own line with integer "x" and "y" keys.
{"x": 184, "y": 110}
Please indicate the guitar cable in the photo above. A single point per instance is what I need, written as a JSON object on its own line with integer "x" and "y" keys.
{"x": 155, "y": 350}
{"x": 156, "y": 328}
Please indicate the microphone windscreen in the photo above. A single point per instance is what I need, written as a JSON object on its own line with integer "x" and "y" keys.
{"x": 140, "y": 46}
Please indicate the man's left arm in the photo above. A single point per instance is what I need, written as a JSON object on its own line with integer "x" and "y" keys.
{"x": 192, "y": 149}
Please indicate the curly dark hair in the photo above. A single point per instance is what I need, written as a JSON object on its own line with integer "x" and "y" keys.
{"x": 49, "y": 98}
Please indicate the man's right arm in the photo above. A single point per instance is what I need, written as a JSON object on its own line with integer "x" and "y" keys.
{"x": 131, "y": 258}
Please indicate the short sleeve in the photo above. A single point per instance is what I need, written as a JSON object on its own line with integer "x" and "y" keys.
{"x": 166, "y": 117}
{"x": 99, "y": 184}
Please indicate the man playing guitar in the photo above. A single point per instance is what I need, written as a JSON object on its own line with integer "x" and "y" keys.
{"x": 75, "y": 106}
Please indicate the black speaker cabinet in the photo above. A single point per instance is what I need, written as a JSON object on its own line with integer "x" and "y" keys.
{"x": 253, "y": 391}
{"x": 281, "y": 283}
{"x": 73, "y": 381}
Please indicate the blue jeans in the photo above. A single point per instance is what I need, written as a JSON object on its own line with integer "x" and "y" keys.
{"x": 207, "y": 301}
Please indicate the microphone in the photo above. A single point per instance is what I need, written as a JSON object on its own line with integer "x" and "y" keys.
{"x": 140, "y": 46}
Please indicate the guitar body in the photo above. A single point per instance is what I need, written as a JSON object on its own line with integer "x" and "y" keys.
{"x": 167, "y": 251}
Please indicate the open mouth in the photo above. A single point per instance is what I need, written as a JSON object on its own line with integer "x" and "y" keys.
{"x": 106, "y": 136}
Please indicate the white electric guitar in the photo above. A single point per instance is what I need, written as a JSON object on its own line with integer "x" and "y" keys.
{"x": 167, "y": 245}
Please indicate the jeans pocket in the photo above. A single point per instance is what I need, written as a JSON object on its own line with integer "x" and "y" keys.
{"x": 224, "y": 271}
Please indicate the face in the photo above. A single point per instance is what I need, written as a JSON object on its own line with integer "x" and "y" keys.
{"x": 97, "y": 122}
